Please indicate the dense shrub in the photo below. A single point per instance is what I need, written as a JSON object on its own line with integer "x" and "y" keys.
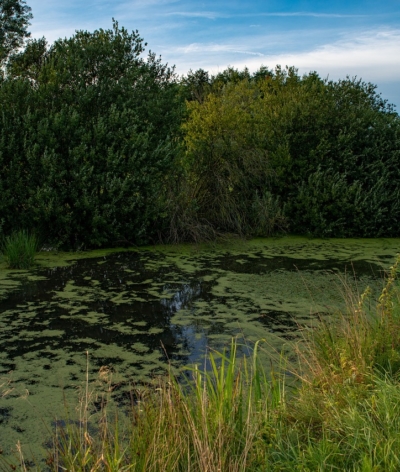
{"x": 97, "y": 148}
{"x": 327, "y": 151}
{"x": 87, "y": 136}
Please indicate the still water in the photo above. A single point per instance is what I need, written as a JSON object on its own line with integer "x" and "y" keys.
{"x": 139, "y": 310}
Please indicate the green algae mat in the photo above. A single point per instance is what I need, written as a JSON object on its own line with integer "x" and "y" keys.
{"x": 137, "y": 311}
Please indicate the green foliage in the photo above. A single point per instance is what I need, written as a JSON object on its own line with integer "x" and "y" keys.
{"x": 228, "y": 160}
{"x": 211, "y": 423}
{"x": 29, "y": 63}
{"x": 267, "y": 216}
{"x": 327, "y": 151}
{"x": 14, "y": 21}
{"x": 97, "y": 148}
{"x": 19, "y": 249}
{"x": 346, "y": 142}
{"x": 87, "y": 136}
{"x": 196, "y": 85}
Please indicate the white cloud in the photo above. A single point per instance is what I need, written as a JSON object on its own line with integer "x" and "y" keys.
{"x": 168, "y": 27}
{"x": 137, "y": 5}
{"x": 211, "y": 15}
{"x": 215, "y": 49}
{"x": 372, "y": 55}
{"x": 309, "y": 14}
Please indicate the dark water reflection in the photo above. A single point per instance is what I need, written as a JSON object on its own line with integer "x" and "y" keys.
{"x": 148, "y": 301}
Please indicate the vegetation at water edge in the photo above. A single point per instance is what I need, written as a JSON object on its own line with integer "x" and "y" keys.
{"x": 19, "y": 249}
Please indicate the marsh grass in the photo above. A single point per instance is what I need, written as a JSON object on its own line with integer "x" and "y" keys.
{"x": 210, "y": 423}
{"x": 346, "y": 407}
{"x": 19, "y": 249}
{"x": 343, "y": 414}
{"x": 365, "y": 340}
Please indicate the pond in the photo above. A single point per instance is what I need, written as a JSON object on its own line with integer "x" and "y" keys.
{"x": 139, "y": 310}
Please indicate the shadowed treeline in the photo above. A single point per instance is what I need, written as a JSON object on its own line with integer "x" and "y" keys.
{"x": 100, "y": 146}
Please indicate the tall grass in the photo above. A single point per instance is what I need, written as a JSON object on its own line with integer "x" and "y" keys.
{"x": 211, "y": 423}
{"x": 19, "y": 249}
{"x": 343, "y": 414}
{"x": 346, "y": 407}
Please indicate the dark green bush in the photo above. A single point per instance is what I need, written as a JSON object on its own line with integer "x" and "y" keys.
{"x": 344, "y": 173}
{"x": 87, "y": 135}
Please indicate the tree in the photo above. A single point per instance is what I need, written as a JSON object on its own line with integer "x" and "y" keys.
{"x": 328, "y": 151}
{"x": 29, "y": 62}
{"x": 230, "y": 151}
{"x": 88, "y": 132}
{"x": 196, "y": 85}
{"x": 14, "y": 21}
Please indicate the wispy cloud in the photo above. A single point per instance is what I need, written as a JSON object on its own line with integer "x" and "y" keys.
{"x": 325, "y": 38}
{"x": 309, "y": 14}
{"x": 214, "y": 14}
{"x": 370, "y": 55}
{"x": 211, "y": 15}
{"x": 215, "y": 48}
{"x": 146, "y": 3}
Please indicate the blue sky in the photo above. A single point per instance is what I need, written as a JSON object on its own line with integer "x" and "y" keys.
{"x": 336, "y": 38}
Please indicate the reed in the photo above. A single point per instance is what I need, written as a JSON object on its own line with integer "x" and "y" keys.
{"x": 214, "y": 422}
{"x": 345, "y": 411}
{"x": 19, "y": 249}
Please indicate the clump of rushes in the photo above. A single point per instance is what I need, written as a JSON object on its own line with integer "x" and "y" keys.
{"x": 19, "y": 249}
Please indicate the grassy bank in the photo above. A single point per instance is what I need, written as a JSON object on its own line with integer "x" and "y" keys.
{"x": 342, "y": 411}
